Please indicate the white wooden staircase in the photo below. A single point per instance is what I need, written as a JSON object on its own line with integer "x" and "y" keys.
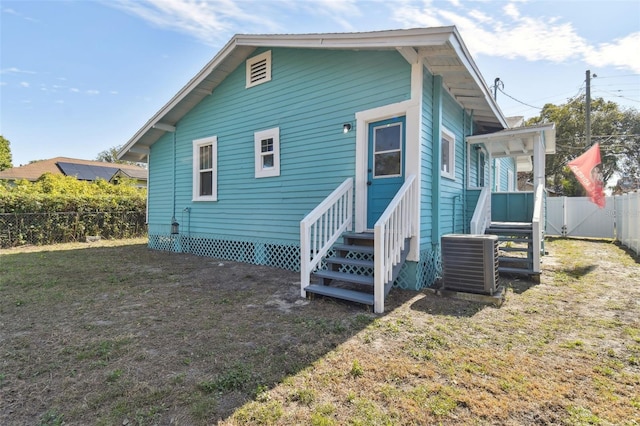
{"x": 350, "y": 270}
{"x": 359, "y": 267}
{"x": 515, "y": 247}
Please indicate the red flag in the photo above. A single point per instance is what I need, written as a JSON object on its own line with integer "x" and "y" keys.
{"x": 587, "y": 171}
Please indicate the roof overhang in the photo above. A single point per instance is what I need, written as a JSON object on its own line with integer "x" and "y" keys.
{"x": 441, "y": 49}
{"x": 518, "y": 142}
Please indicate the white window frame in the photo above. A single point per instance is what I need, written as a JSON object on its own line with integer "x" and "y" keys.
{"x": 511, "y": 184}
{"x": 482, "y": 169}
{"x": 497, "y": 176}
{"x": 451, "y": 138}
{"x": 260, "y": 170}
{"x": 266, "y": 56}
{"x": 197, "y": 143}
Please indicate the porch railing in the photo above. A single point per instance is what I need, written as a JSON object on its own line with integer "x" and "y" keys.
{"x": 322, "y": 227}
{"x": 397, "y": 223}
{"x": 482, "y": 214}
{"x": 537, "y": 226}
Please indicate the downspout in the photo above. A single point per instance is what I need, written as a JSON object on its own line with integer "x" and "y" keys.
{"x": 465, "y": 218}
{"x": 174, "y": 222}
{"x": 435, "y": 161}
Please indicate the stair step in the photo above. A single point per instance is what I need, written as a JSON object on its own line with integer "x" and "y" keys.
{"x": 353, "y": 248}
{"x": 337, "y": 260}
{"x": 513, "y": 259}
{"x": 514, "y": 240}
{"x": 341, "y": 293}
{"x": 358, "y": 235}
{"x": 508, "y": 231}
{"x": 510, "y": 225}
{"x": 345, "y": 277}
{"x": 520, "y": 271}
{"x": 517, "y": 249}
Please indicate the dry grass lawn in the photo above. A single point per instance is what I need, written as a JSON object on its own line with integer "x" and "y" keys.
{"x": 112, "y": 333}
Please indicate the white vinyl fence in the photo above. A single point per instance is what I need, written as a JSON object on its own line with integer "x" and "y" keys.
{"x": 628, "y": 220}
{"x": 579, "y": 217}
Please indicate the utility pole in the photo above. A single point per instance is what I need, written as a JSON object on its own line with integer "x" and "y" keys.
{"x": 495, "y": 87}
{"x": 587, "y": 119}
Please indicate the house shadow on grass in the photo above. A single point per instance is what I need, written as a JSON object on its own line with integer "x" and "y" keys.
{"x": 432, "y": 304}
{"x": 130, "y": 332}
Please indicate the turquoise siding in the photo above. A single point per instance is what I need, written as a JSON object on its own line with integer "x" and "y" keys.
{"x": 426, "y": 147}
{"x": 452, "y": 190}
{"x": 453, "y": 204}
{"x": 312, "y": 93}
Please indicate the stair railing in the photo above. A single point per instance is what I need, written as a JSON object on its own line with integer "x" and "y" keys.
{"x": 322, "y": 227}
{"x": 482, "y": 213}
{"x": 397, "y": 223}
{"x": 536, "y": 227}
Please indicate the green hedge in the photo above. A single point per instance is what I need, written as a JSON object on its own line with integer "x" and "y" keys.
{"x": 59, "y": 209}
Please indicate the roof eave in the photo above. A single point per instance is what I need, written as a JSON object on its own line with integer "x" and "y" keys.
{"x": 241, "y": 46}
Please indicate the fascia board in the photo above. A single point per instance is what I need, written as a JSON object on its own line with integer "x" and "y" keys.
{"x": 461, "y": 50}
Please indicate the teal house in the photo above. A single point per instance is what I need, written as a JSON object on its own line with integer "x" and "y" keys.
{"x": 343, "y": 156}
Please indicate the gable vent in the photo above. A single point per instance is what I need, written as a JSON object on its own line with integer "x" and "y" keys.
{"x": 259, "y": 69}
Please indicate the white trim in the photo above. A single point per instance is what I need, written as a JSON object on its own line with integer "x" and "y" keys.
{"x": 197, "y": 143}
{"x": 260, "y": 170}
{"x": 497, "y": 178}
{"x": 410, "y": 110}
{"x": 511, "y": 183}
{"x": 451, "y": 166}
{"x": 266, "y": 57}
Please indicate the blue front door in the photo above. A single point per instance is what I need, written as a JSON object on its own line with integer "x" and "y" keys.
{"x": 385, "y": 168}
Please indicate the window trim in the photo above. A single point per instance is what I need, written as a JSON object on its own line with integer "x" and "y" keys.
{"x": 258, "y": 137}
{"x": 197, "y": 143}
{"x": 451, "y": 138}
{"x": 266, "y": 56}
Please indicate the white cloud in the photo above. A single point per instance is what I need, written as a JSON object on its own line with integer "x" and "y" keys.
{"x": 3, "y": 83}
{"x": 16, "y": 13}
{"x": 208, "y": 21}
{"x": 14, "y": 70}
{"x": 92, "y": 92}
{"x": 514, "y": 35}
{"x": 74, "y": 90}
{"x": 24, "y": 84}
{"x": 621, "y": 53}
{"x": 113, "y": 92}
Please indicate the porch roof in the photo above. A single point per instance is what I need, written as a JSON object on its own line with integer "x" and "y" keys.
{"x": 441, "y": 49}
{"x": 518, "y": 142}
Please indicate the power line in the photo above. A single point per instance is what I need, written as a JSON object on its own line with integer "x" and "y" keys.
{"x": 517, "y": 100}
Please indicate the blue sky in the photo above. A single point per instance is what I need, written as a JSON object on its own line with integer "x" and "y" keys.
{"x": 80, "y": 77}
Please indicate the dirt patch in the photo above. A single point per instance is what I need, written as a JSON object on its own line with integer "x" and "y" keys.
{"x": 114, "y": 333}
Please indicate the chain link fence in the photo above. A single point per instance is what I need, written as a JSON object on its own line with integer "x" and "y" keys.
{"x": 51, "y": 228}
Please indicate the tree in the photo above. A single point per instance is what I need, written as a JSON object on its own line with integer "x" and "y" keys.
{"x": 611, "y": 127}
{"x": 110, "y": 156}
{"x": 5, "y": 154}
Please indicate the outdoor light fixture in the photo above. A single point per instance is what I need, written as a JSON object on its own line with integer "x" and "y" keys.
{"x": 346, "y": 127}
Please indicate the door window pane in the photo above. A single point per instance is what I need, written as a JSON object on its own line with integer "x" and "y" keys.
{"x": 387, "y": 164}
{"x": 387, "y": 156}
{"x": 387, "y": 138}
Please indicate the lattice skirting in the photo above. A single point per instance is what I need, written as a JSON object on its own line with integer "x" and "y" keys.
{"x": 254, "y": 251}
{"x": 421, "y": 274}
{"x": 413, "y": 275}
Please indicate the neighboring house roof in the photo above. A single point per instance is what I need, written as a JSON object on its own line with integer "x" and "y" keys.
{"x": 81, "y": 169}
{"x": 442, "y": 50}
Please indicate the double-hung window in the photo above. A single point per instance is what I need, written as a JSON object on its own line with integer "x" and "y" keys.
{"x": 448, "y": 154}
{"x": 205, "y": 169}
{"x": 267, "y": 153}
